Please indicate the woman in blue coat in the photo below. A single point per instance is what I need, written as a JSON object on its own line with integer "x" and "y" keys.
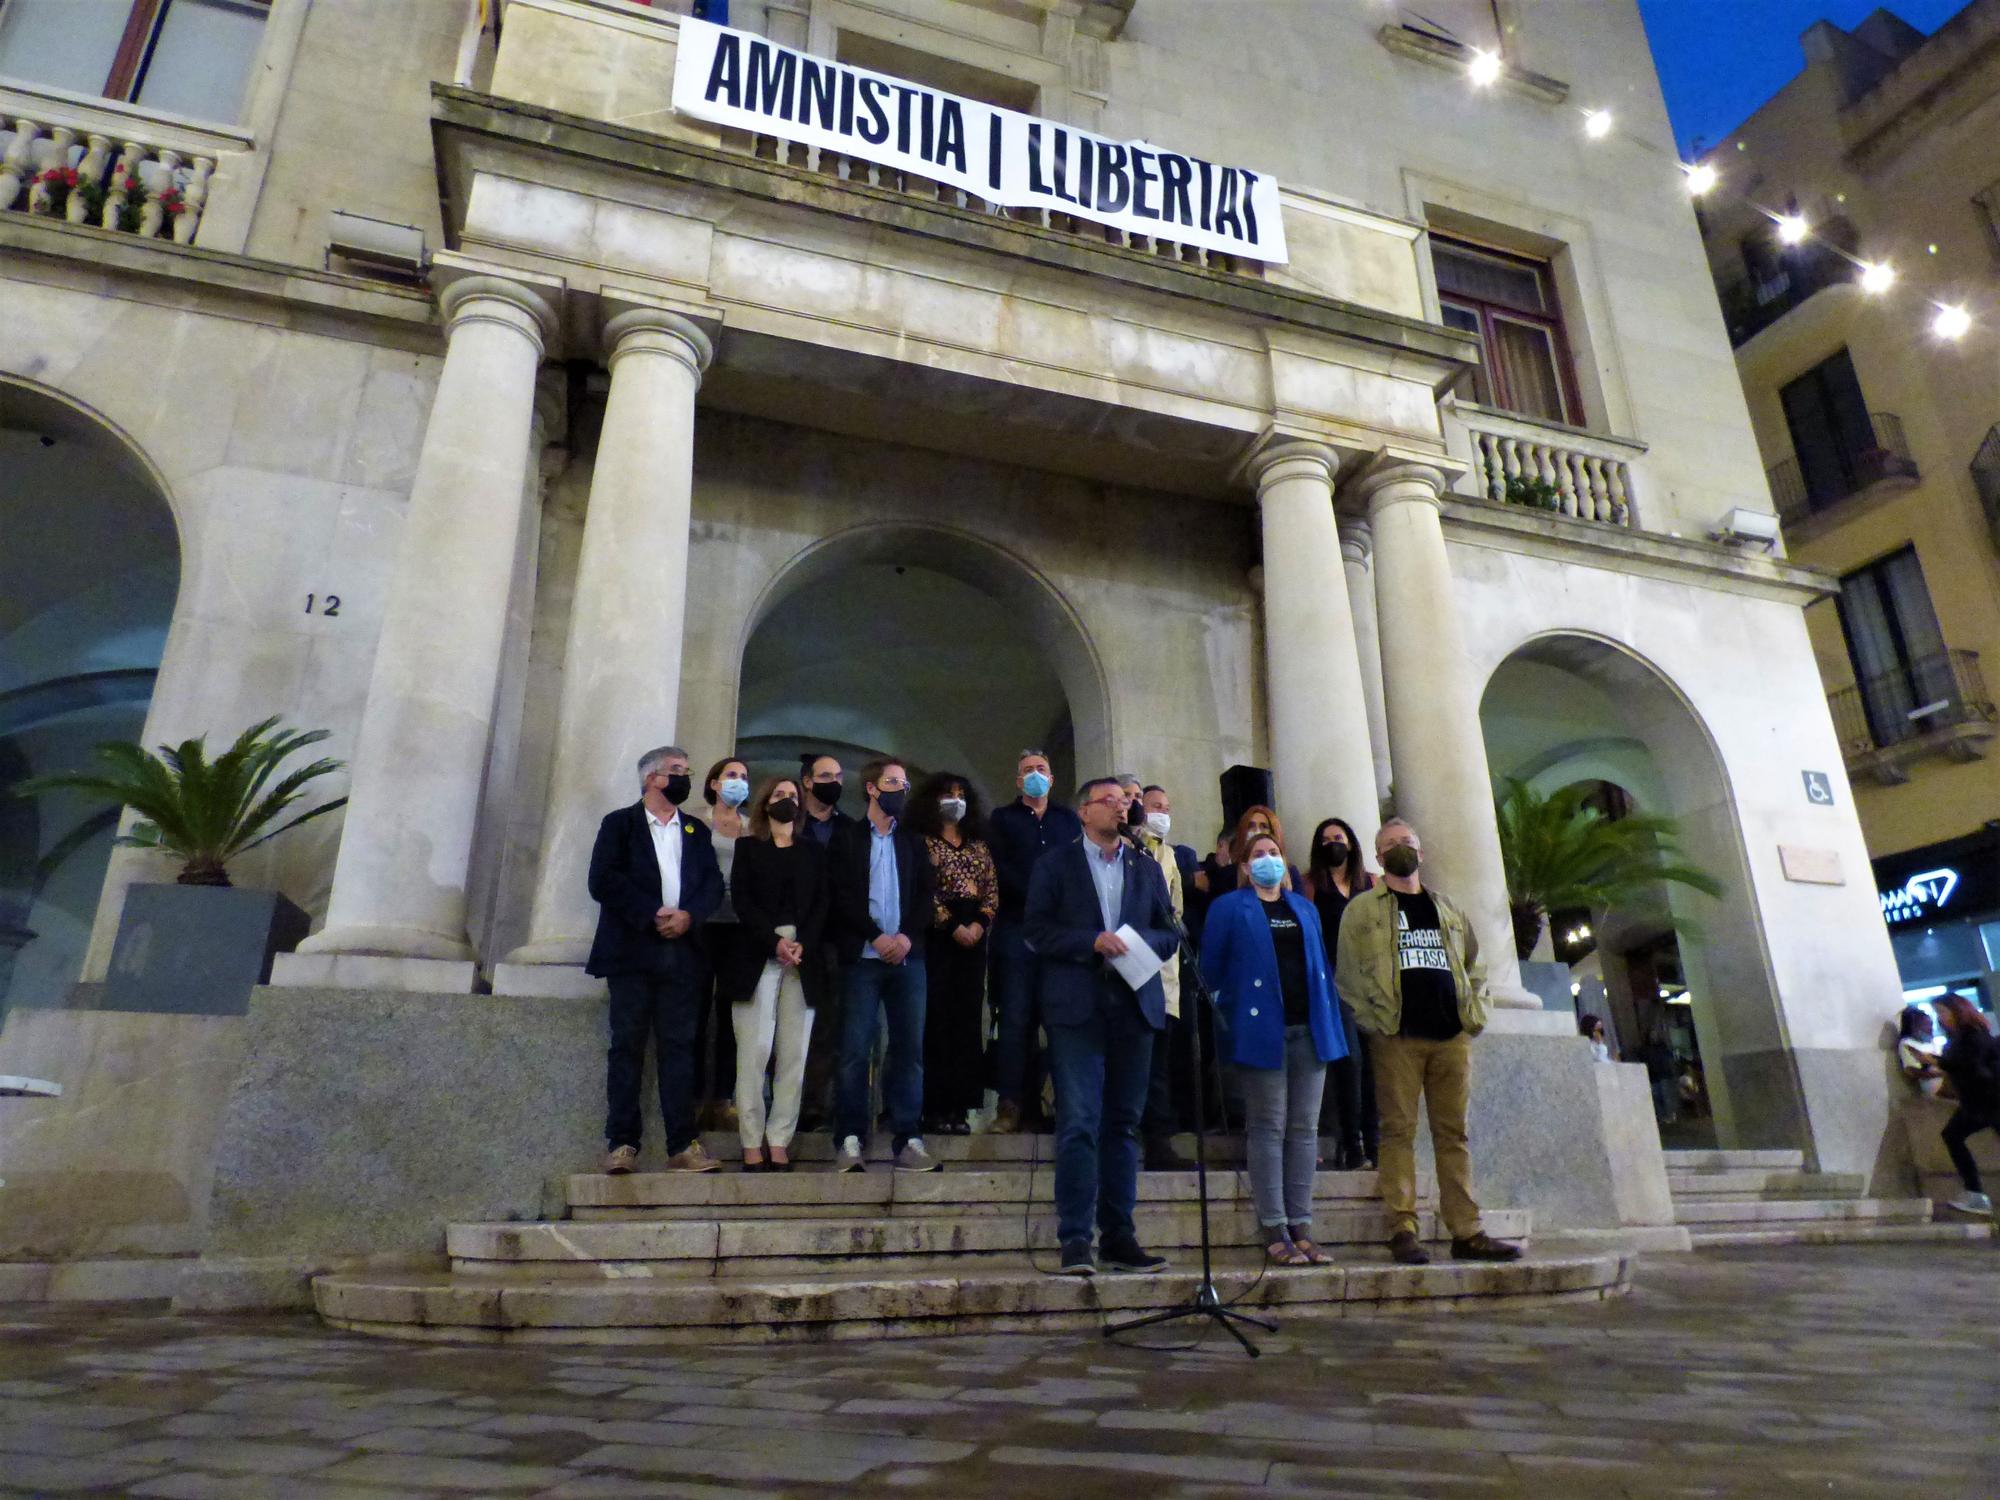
{"x": 1264, "y": 959}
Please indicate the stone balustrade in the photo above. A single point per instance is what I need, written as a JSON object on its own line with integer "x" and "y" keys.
{"x": 1570, "y": 472}
{"x": 87, "y": 177}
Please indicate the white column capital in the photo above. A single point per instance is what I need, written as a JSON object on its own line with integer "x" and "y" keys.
{"x": 1357, "y": 540}
{"x": 1292, "y": 458}
{"x": 495, "y": 299}
{"x": 657, "y": 330}
{"x": 1393, "y": 484}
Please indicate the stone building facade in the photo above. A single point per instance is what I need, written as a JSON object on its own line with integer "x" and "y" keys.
{"x": 695, "y": 435}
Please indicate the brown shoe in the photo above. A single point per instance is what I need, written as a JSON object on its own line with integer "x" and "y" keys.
{"x": 1405, "y": 1251}
{"x": 1483, "y": 1246}
{"x": 1007, "y": 1118}
{"x": 621, "y": 1159}
{"x": 694, "y": 1159}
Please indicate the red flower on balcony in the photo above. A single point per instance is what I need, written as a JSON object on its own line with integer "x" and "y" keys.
{"x": 58, "y": 177}
{"x": 172, "y": 201}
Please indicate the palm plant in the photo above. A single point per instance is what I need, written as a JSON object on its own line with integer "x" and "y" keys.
{"x": 203, "y": 812}
{"x": 1561, "y": 853}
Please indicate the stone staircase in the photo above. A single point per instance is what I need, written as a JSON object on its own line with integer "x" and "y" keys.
{"x": 812, "y": 1255}
{"x": 1726, "y": 1198}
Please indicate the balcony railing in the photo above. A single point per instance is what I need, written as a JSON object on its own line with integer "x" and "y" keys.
{"x": 1937, "y": 700}
{"x": 1570, "y": 472}
{"x": 1838, "y": 473}
{"x": 88, "y": 178}
{"x": 1753, "y": 304}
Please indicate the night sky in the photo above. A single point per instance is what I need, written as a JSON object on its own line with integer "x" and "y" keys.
{"x": 1720, "y": 59}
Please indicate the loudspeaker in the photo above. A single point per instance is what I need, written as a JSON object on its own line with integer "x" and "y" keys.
{"x": 1245, "y": 787}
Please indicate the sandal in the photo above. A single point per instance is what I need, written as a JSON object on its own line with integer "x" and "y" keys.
{"x": 1284, "y": 1253}
{"x": 1312, "y": 1252}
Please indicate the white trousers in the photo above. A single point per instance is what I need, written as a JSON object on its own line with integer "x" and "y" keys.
{"x": 775, "y": 1016}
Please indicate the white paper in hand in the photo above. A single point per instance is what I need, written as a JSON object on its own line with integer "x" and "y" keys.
{"x": 1138, "y": 963}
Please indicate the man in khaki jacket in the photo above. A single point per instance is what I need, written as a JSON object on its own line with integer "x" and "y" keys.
{"x": 1409, "y": 967}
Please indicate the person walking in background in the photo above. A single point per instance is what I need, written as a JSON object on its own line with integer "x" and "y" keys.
{"x": 1409, "y": 965}
{"x": 1335, "y": 875}
{"x": 1591, "y": 1029}
{"x": 726, "y": 789}
{"x": 655, "y": 881}
{"x": 945, "y": 811}
{"x": 879, "y": 880}
{"x": 782, "y": 969}
{"x": 1971, "y": 1061}
{"x": 1020, "y": 834}
{"x": 1917, "y": 1049}
{"x": 1265, "y": 961}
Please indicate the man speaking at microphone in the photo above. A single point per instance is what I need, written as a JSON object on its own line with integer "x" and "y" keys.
{"x": 1100, "y": 1027}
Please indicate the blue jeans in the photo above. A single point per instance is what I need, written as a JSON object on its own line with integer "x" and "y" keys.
{"x": 1281, "y": 1106}
{"x": 865, "y": 986}
{"x": 1102, "y": 1068}
{"x": 1014, "y": 970}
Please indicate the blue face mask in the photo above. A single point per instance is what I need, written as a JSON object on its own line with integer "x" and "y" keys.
{"x": 734, "y": 790}
{"x": 1267, "y": 870}
{"x": 1035, "y": 784}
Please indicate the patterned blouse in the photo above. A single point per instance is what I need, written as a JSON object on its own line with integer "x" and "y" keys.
{"x": 962, "y": 872}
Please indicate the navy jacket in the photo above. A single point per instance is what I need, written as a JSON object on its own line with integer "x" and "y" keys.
{"x": 1018, "y": 840}
{"x": 1239, "y": 962}
{"x": 1063, "y": 919}
{"x": 625, "y": 884}
{"x": 849, "y": 926}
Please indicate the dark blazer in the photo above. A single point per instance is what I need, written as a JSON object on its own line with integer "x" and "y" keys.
{"x": 753, "y": 887}
{"x": 1062, "y": 922}
{"x": 625, "y": 884}
{"x": 1239, "y": 962}
{"x": 849, "y": 925}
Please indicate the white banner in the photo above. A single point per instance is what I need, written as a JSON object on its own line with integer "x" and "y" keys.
{"x": 734, "y": 78}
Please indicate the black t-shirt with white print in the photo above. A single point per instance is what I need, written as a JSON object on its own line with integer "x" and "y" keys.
{"x": 1430, "y": 998}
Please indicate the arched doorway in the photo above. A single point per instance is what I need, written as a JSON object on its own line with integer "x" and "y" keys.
{"x": 1566, "y": 709}
{"x": 922, "y": 642}
{"x": 88, "y": 578}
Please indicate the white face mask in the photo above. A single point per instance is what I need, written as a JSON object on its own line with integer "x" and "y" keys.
{"x": 953, "y": 809}
{"x": 1159, "y": 825}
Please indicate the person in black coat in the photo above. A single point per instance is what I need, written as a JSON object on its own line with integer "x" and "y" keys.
{"x": 1335, "y": 875}
{"x": 781, "y": 968}
{"x": 655, "y": 880}
{"x": 1971, "y": 1060}
{"x": 879, "y": 880}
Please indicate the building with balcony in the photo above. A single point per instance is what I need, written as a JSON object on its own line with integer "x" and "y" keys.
{"x": 423, "y": 373}
{"x": 1882, "y": 438}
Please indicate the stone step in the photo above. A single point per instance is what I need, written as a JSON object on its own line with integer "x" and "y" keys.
{"x": 1802, "y": 1210}
{"x": 1840, "y": 1234}
{"x": 965, "y": 1191}
{"x": 933, "y": 1243}
{"x": 1770, "y": 1184}
{"x": 1767, "y": 1161}
{"x": 438, "y": 1306}
{"x": 819, "y": 1146}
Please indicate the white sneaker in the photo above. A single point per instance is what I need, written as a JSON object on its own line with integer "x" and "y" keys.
{"x": 914, "y": 1158}
{"x": 849, "y": 1157}
{"x": 1973, "y": 1203}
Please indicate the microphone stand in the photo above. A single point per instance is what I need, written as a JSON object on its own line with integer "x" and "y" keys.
{"x": 1206, "y": 1301}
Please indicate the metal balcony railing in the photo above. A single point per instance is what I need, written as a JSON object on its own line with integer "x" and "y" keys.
{"x": 1853, "y": 464}
{"x": 1751, "y": 305}
{"x": 1936, "y": 692}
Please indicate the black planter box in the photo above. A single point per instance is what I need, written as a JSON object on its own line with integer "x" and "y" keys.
{"x": 197, "y": 950}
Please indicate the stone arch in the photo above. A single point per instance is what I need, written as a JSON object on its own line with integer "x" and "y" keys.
{"x": 88, "y": 588}
{"x": 1021, "y": 590}
{"x": 1570, "y": 705}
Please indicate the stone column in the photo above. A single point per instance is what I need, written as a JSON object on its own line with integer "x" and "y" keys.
{"x": 397, "y": 915}
{"x": 1315, "y": 703}
{"x": 1356, "y": 546}
{"x": 1443, "y": 785}
{"x": 622, "y": 665}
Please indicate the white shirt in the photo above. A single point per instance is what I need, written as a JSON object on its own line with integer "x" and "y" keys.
{"x": 667, "y": 849}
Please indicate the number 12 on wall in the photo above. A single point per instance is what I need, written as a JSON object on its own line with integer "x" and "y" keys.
{"x": 324, "y": 604}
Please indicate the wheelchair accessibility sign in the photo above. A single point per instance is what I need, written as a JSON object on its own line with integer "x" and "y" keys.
{"x": 1819, "y": 788}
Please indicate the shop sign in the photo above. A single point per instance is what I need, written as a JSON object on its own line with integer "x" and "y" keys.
{"x": 1922, "y": 895}
{"x": 736, "y": 78}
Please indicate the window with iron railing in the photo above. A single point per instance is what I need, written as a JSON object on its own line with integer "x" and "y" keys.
{"x": 1842, "y": 448}
{"x": 1893, "y": 640}
{"x": 1986, "y": 474}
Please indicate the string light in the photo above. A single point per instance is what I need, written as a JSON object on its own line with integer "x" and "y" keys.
{"x": 1792, "y": 228}
{"x": 1484, "y": 68}
{"x": 1701, "y": 177}
{"x": 1951, "y": 323}
{"x": 1597, "y": 123}
{"x": 1877, "y": 276}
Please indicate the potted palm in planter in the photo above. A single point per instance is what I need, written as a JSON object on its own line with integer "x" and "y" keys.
{"x": 199, "y": 945}
{"x": 1562, "y": 854}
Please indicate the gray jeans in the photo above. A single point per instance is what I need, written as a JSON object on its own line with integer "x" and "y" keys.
{"x": 1281, "y": 1108}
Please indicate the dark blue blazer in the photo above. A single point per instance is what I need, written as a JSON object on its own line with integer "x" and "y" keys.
{"x": 1239, "y": 963}
{"x": 625, "y": 884}
{"x": 1063, "y": 919}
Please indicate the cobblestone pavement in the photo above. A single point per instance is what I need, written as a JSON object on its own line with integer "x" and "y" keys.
{"x": 1845, "y": 1371}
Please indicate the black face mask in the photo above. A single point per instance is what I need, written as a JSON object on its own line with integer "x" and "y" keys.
{"x": 1334, "y": 853}
{"x": 827, "y": 793}
{"x": 891, "y": 803}
{"x": 1135, "y": 815}
{"x": 784, "y": 810}
{"x": 677, "y": 788}
{"x": 1401, "y": 861}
